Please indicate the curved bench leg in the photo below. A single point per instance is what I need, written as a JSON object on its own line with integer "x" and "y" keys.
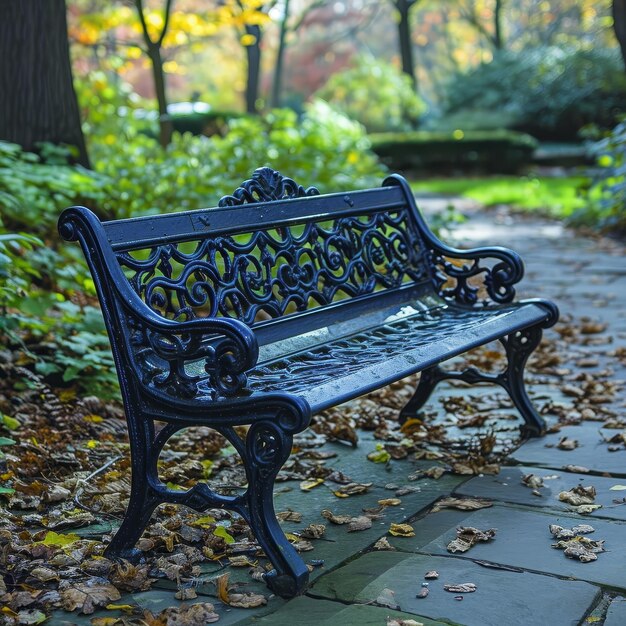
{"x": 143, "y": 498}
{"x": 429, "y": 379}
{"x": 267, "y": 448}
{"x": 518, "y": 346}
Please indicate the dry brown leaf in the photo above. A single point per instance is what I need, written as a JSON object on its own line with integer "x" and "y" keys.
{"x": 460, "y": 587}
{"x": 467, "y": 536}
{"x": 431, "y": 575}
{"x": 247, "y": 600}
{"x": 352, "y": 489}
{"x": 383, "y": 544}
{"x": 390, "y": 502}
{"x": 359, "y": 523}
{"x": 313, "y": 531}
{"x": 565, "y": 443}
{"x": 532, "y": 481}
{"x": 579, "y": 495}
{"x": 462, "y": 504}
{"x": 89, "y": 595}
{"x": 336, "y": 519}
{"x": 289, "y": 516}
{"x": 387, "y": 598}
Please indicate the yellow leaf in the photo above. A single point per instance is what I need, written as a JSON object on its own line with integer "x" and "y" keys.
{"x": 93, "y": 443}
{"x": 401, "y": 530}
{"x": 380, "y": 455}
{"x": 411, "y": 425}
{"x": 204, "y": 522}
{"x": 307, "y": 485}
{"x": 339, "y": 494}
{"x": 220, "y": 531}
{"x": 58, "y": 539}
{"x": 93, "y": 418}
{"x": 120, "y": 607}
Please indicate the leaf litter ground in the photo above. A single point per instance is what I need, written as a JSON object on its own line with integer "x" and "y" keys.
{"x": 65, "y": 479}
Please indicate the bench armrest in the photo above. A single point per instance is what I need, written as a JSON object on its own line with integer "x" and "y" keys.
{"x": 484, "y": 275}
{"x": 464, "y": 277}
{"x": 228, "y": 346}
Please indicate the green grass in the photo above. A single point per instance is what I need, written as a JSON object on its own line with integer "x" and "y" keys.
{"x": 556, "y": 197}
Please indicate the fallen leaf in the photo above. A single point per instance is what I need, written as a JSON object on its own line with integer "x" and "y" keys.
{"x": 576, "y": 469}
{"x": 352, "y": 489}
{"x": 568, "y": 444}
{"x": 467, "y": 536}
{"x": 336, "y": 519}
{"x": 313, "y": 531}
{"x": 532, "y": 481}
{"x": 422, "y": 593}
{"x": 359, "y": 523}
{"x": 617, "y": 488}
{"x": 460, "y": 587}
{"x": 579, "y": 495}
{"x": 462, "y": 504}
{"x": 307, "y": 485}
{"x": 289, "y": 516}
{"x": 390, "y": 502}
{"x": 431, "y": 575}
{"x": 246, "y": 600}
{"x": 401, "y": 530}
{"x": 393, "y": 621}
{"x": 387, "y": 598}
{"x": 383, "y": 544}
{"x": 89, "y": 595}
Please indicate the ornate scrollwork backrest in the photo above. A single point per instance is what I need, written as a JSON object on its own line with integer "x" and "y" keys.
{"x": 255, "y": 275}
{"x": 266, "y": 185}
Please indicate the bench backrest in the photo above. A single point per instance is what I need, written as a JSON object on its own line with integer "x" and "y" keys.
{"x": 274, "y": 250}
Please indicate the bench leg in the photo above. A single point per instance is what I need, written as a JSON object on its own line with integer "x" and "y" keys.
{"x": 267, "y": 448}
{"x": 143, "y": 497}
{"x": 518, "y": 346}
{"x": 429, "y": 379}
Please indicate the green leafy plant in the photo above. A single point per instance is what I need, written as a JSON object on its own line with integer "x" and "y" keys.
{"x": 376, "y": 94}
{"x": 549, "y": 92}
{"x": 606, "y": 199}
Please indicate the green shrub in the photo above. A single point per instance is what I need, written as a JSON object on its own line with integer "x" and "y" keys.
{"x": 324, "y": 149}
{"x": 494, "y": 151}
{"x": 375, "y": 94}
{"x": 606, "y": 199}
{"x": 548, "y": 92}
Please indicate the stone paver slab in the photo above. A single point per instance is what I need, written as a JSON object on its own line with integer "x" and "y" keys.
{"x": 592, "y": 452}
{"x": 305, "y": 611}
{"x": 502, "y": 597}
{"x": 616, "y": 615}
{"x": 507, "y": 486}
{"x": 523, "y": 540}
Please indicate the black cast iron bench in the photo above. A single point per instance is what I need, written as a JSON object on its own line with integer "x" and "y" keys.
{"x": 276, "y": 305}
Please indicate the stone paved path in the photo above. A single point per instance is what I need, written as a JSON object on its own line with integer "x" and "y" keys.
{"x": 520, "y": 579}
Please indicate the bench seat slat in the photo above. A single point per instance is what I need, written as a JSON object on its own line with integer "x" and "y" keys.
{"x": 332, "y": 370}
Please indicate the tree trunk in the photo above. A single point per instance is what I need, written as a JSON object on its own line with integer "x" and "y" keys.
{"x": 280, "y": 58}
{"x": 165, "y": 124}
{"x": 498, "y": 39}
{"x": 404, "y": 38}
{"x": 619, "y": 25}
{"x": 38, "y": 99}
{"x": 253, "y": 55}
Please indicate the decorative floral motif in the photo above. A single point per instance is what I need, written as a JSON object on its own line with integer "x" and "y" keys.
{"x": 266, "y": 185}
{"x": 273, "y": 272}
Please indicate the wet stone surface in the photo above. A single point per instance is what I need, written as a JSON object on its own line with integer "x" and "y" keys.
{"x": 507, "y": 486}
{"x": 616, "y": 615}
{"x": 523, "y": 540}
{"x": 501, "y": 596}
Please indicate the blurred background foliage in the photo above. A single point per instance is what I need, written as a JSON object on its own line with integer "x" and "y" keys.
{"x": 507, "y": 102}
